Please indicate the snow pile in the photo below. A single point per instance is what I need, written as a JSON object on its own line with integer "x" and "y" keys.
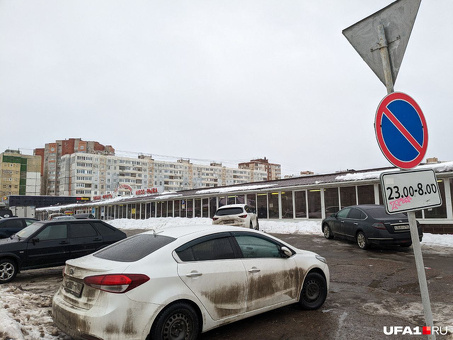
{"x": 21, "y": 320}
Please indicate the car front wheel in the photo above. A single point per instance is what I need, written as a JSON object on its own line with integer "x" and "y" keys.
{"x": 327, "y": 232}
{"x": 177, "y": 322}
{"x": 8, "y": 270}
{"x": 314, "y": 291}
{"x": 362, "y": 241}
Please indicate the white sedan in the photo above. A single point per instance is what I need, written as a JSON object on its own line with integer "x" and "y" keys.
{"x": 181, "y": 281}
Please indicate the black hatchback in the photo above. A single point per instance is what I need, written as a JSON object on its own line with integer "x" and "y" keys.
{"x": 12, "y": 225}
{"x": 50, "y": 243}
{"x": 369, "y": 224}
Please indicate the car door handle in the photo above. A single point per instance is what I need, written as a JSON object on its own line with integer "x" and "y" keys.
{"x": 97, "y": 239}
{"x": 254, "y": 270}
{"x": 194, "y": 273}
{"x": 355, "y": 223}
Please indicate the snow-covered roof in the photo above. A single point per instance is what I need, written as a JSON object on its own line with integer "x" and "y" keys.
{"x": 299, "y": 182}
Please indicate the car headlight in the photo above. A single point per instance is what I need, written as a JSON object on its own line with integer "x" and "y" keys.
{"x": 322, "y": 259}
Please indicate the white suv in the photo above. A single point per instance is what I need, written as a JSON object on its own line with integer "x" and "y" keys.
{"x": 241, "y": 215}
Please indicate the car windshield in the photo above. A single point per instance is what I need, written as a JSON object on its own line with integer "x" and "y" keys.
{"x": 229, "y": 211}
{"x": 379, "y": 212}
{"x": 134, "y": 248}
{"x": 27, "y": 231}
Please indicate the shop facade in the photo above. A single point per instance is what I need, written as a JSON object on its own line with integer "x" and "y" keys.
{"x": 309, "y": 197}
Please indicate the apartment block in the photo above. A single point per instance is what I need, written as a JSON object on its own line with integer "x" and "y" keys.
{"x": 51, "y": 156}
{"x": 100, "y": 175}
{"x": 74, "y": 167}
{"x": 274, "y": 171}
{"x": 19, "y": 174}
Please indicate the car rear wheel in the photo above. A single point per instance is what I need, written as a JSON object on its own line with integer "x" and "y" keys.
{"x": 314, "y": 291}
{"x": 327, "y": 231}
{"x": 362, "y": 241}
{"x": 8, "y": 270}
{"x": 177, "y": 322}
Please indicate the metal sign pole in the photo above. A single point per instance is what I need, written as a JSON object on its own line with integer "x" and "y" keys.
{"x": 383, "y": 49}
{"x": 411, "y": 215}
{"x": 421, "y": 272}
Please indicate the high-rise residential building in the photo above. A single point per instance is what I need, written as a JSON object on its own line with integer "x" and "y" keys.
{"x": 101, "y": 175}
{"x": 74, "y": 167}
{"x": 274, "y": 171}
{"x": 51, "y": 156}
{"x": 19, "y": 174}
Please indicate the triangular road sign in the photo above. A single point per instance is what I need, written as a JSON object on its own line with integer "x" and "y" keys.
{"x": 397, "y": 19}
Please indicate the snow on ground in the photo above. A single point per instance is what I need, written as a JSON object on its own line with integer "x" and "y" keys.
{"x": 19, "y": 321}
{"x": 268, "y": 226}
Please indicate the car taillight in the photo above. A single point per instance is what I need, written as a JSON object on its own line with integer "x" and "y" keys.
{"x": 215, "y": 218}
{"x": 243, "y": 216}
{"x": 116, "y": 283}
{"x": 379, "y": 226}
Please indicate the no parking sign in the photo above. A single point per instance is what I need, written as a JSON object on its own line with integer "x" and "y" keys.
{"x": 401, "y": 130}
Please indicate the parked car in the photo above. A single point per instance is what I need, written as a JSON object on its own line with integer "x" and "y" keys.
{"x": 6, "y": 213}
{"x": 240, "y": 215}
{"x": 369, "y": 224}
{"x": 83, "y": 216}
{"x": 11, "y": 225}
{"x": 55, "y": 215}
{"x": 50, "y": 243}
{"x": 179, "y": 282}
{"x": 65, "y": 217}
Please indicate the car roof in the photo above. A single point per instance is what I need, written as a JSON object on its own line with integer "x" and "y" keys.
{"x": 194, "y": 230}
{"x": 72, "y": 220}
{"x": 368, "y": 206}
{"x": 18, "y": 218}
{"x": 232, "y": 206}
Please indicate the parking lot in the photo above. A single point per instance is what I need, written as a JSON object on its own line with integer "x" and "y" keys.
{"x": 369, "y": 290}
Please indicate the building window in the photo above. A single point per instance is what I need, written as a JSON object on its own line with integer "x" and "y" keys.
{"x": 438, "y": 212}
{"x": 314, "y": 203}
{"x": 273, "y": 205}
{"x": 262, "y": 205}
{"x": 287, "y": 204}
{"x": 347, "y": 196}
{"x": 300, "y": 204}
{"x": 366, "y": 194}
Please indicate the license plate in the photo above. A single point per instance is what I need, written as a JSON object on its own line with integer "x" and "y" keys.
{"x": 228, "y": 221}
{"x": 401, "y": 227}
{"x": 73, "y": 287}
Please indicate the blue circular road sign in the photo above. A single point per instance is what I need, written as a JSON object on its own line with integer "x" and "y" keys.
{"x": 401, "y": 130}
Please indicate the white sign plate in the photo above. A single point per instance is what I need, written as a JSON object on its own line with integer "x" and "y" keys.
{"x": 410, "y": 190}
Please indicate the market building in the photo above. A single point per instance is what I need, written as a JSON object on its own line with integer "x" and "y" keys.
{"x": 311, "y": 197}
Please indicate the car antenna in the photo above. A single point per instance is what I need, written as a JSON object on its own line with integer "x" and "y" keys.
{"x": 156, "y": 232}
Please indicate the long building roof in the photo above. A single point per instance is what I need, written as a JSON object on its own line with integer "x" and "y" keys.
{"x": 323, "y": 180}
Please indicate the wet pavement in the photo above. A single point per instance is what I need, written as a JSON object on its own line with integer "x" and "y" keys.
{"x": 369, "y": 290}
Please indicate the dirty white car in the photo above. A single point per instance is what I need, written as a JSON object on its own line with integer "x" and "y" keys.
{"x": 240, "y": 215}
{"x": 179, "y": 282}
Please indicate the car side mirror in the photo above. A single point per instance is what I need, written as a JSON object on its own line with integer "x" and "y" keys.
{"x": 286, "y": 251}
{"x": 35, "y": 240}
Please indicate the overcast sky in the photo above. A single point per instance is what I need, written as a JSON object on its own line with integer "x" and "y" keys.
{"x": 215, "y": 80}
